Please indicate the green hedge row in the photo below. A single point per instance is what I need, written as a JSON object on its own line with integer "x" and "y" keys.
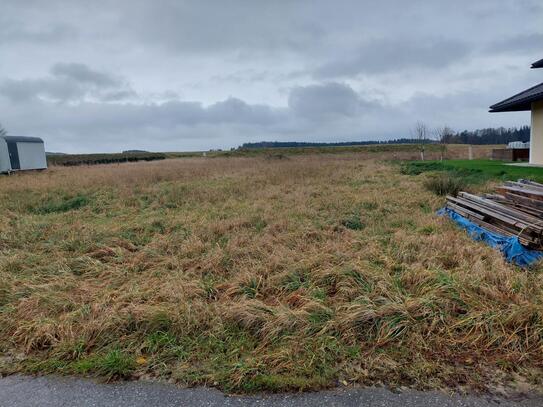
{"x": 93, "y": 159}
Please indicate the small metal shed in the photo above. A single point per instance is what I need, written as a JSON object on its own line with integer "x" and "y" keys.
{"x": 22, "y": 153}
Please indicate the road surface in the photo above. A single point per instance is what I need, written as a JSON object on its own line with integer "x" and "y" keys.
{"x": 51, "y": 391}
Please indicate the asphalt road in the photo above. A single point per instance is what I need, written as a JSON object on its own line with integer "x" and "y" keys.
{"x": 22, "y": 391}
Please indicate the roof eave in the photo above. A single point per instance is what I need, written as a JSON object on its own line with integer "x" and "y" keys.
{"x": 510, "y": 109}
{"x": 537, "y": 64}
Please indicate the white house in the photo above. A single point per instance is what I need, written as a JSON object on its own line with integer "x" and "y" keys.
{"x": 532, "y": 100}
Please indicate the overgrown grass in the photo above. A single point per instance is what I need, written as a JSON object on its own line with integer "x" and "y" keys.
{"x": 250, "y": 274}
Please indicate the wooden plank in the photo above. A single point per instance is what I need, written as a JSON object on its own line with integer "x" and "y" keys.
{"x": 499, "y": 229}
{"x": 515, "y": 210}
{"x": 519, "y": 191}
{"x": 464, "y": 212}
{"x": 524, "y": 218}
{"x": 492, "y": 213}
{"x": 500, "y": 207}
{"x": 523, "y": 185}
{"x": 524, "y": 200}
{"x": 530, "y": 182}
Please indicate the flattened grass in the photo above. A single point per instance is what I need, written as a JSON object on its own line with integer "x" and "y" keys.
{"x": 254, "y": 274}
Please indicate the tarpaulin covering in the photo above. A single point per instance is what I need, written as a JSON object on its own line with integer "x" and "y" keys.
{"x": 512, "y": 250}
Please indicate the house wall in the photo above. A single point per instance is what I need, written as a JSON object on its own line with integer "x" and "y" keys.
{"x": 5, "y": 165}
{"x": 536, "y": 137}
{"x": 31, "y": 156}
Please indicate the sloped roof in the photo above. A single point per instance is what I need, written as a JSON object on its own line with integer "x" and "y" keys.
{"x": 538, "y": 64}
{"x": 520, "y": 101}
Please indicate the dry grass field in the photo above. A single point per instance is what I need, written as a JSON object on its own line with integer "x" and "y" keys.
{"x": 253, "y": 273}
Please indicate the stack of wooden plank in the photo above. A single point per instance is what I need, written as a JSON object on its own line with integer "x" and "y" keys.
{"x": 516, "y": 209}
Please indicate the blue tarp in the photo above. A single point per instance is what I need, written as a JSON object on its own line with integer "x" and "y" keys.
{"x": 510, "y": 247}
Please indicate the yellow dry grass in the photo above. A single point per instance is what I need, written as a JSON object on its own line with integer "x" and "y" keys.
{"x": 256, "y": 273}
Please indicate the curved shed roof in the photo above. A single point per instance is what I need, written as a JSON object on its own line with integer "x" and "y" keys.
{"x": 19, "y": 139}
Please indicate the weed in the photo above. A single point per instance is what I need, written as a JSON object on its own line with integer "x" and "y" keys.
{"x": 353, "y": 222}
{"x": 294, "y": 281}
{"x": 159, "y": 340}
{"x": 443, "y": 184}
{"x": 250, "y": 288}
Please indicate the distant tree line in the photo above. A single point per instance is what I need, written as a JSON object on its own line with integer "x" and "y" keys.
{"x": 500, "y": 135}
{"x": 283, "y": 144}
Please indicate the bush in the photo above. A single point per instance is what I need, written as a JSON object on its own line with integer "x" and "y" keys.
{"x": 444, "y": 184}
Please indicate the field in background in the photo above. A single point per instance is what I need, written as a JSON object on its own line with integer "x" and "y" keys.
{"x": 253, "y": 273}
{"x": 392, "y": 151}
{"x": 388, "y": 151}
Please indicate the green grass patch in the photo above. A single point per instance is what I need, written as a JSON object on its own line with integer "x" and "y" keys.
{"x": 353, "y": 222}
{"x": 474, "y": 171}
{"x": 61, "y": 205}
{"x": 114, "y": 364}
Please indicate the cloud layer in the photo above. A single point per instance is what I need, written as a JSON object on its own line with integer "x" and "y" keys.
{"x": 198, "y": 75}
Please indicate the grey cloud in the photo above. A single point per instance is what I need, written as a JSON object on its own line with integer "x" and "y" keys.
{"x": 83, "y": 74}
{"x": 532, "y": 42}
{"x": 320, "y": 100}
{"x": 118, "y": 95}
{"x": 177, "y": 125}
{"x": 25, "y": 89}
{"x": 208, "y": 26}
{"x": 16, "y": 32}
{"x": 388, "y": 55}
{"x": 68, "y": 83}
{"x": 234, "y": 109}
{"x": 304, "y": 70}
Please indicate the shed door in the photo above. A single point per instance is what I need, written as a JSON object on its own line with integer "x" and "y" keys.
{"x": 13, "y": 155}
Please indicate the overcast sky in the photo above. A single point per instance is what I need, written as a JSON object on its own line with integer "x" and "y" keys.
{"x": 173, "y": 75}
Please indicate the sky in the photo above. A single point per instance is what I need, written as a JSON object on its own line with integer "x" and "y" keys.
{"x": 174, "y": 75}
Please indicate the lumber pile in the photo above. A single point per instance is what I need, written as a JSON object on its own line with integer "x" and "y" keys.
{"x": 516, "y": 209}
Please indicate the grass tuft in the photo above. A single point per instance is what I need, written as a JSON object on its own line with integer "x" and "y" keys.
{"x": 113, "y": 365}
{"x": 443, "y": 184}
{"x": 353, "y": 222}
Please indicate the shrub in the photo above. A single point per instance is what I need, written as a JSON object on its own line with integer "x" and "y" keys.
{"x": 444, "y": 184}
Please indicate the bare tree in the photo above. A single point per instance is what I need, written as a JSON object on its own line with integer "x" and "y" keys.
{"x": 420, "y": 133}
{"x": 3, "y": 132}
{"x": 442, "y": 135}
